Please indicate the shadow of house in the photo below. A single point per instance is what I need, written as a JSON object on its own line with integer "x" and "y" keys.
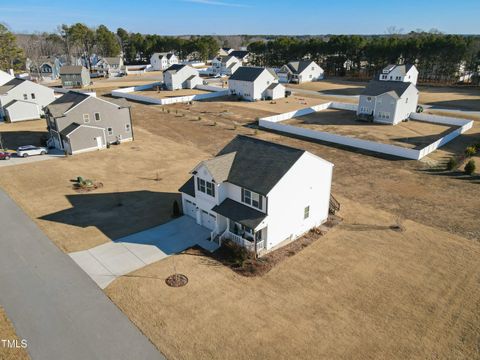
{"x": 14, "y": 139}
{"x": 117, "y": 214}
{"x": 343, "y": 91}
{"x": 459, "y": 105}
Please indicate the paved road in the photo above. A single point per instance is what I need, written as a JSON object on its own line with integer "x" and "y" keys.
{"x": 106, "y": 262}
{"x": 53, "y": 304}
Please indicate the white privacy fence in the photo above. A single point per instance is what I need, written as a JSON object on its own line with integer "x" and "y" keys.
{"x": 274, "y": 123}
{"x": 126, "y": 93}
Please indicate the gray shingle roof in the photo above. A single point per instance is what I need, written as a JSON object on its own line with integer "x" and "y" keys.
{"x": 247, "y": 73}
{"x": 273, "y": 86}
{"x": 404, "y": 68}
{"x": 189, "y": 187}
{"x": 240, "y": 54}
{"x": 258, "y": 165}
{"x": 69, "y": 129}
{"x": 71, "y": 69}
{"x": 375, "y": 87}
{"x": 238, "y": 212}
{"x": 175, "y": 67}
{"x": 297, "y": 67}
{"x": 219, "y": 167}
{"x": 66, "y": 102}
{"x": 10, "y": 85}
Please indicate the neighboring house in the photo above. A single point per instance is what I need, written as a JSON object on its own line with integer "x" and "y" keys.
{"x": 405, "y": 72}
{"x": 181, "y": 77}
{"x": 255, "y": 83}
{"x": 163, "y": 60}
{"x": 224, "y": 51}
{"x": 23, "y": 100}
{"x": 5, "y": 77}
{"x": 48, "y": 68}
{"x": 110, "y": 66}
{"x": 259, "y": 194}
{"x": 79, "y": 122}
{"x": 74, "y": 76}
{"x": 225, "y": 65}
{"x": 242, "y": 55}
{"x": 300, "y": 72}
{"x": 388, "y": 102}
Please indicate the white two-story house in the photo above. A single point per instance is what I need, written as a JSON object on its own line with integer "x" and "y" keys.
{"x": 225, "y": 65}
{"x": 23, "y": 100}
{"x": 388, "y": 102}
{"x": 405, "y": 73}
{"x": 181, "y": 77}
{"x": 110, "y": 66}
{"x": 253, "y": 83}
{"x": 300, "y": 72}
{"x": 259, "y": 194}
{"x": 163, "y": 60}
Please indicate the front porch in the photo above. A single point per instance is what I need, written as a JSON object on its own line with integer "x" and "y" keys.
{"x": 245, "y": 237}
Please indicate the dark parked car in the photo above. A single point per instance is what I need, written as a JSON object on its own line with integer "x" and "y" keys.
{"x": 5, "y": 155}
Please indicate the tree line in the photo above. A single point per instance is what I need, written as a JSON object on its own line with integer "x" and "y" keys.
{"x": 439, "y": 57}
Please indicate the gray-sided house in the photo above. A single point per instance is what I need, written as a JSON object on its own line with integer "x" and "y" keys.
{"x": 79, "y": 122}
{"x": 259, "y": 194}
{"x": 181, "y": 77}
{"x": 253, "y": 83}
{"x": 388, "y": 102}
{"x": 22, "y": 99}
{"x": 74, "y": 76}
{"x": 300, "y": 72}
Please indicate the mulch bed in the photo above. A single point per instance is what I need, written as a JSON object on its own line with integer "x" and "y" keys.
{"x": 243, "y": 263}
{"x": 85, "y": 189}
{"x": 176, "y": 280}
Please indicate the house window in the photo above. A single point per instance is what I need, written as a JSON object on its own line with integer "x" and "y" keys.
{"x": 406, "y": 101}
{"x": 206, "y": 187}
{"x": 369, "y": 98}
{"x": 32, "y": 95}
{"x": 25, "y": 97}
{"x": 127, "y": 127}
{"x": 86, "y": 118}
{"x": 306, "y": 212}
{"x": 110, "y": 131}
{"x": 97, "y": 116}
{"x": 251, "y": 198}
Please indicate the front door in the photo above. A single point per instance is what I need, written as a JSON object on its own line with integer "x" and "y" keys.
{"x": 99, "y": 142}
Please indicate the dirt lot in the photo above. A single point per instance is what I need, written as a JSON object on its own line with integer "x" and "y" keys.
{"x": 361, "y": 292}
{"x": 467, "y": 98}
{"x": 411, "y": 134}
{"x": 168, "y": 94}
{"x": 7, "y": 332}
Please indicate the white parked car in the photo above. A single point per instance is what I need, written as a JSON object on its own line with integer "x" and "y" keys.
{"x": 28, "y": 150}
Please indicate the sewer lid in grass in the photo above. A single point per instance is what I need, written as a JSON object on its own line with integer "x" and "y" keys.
{"x": 176, "y": 280}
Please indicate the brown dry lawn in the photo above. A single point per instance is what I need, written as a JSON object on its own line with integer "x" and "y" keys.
{"x": 7, "y": 332}
{"x": 168, "y": 94}
{"x": 360, "y": 292}
{"x": 411, "y": 134}
{"x": 467, "y": 98}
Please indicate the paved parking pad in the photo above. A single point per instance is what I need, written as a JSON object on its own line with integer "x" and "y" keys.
{"x": 106, "y": 262}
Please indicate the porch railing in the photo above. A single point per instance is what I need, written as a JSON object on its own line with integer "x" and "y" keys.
{"x": 227, "y": 235}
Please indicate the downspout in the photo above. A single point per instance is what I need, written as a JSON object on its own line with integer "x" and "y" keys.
{"x": 131, "y": 122}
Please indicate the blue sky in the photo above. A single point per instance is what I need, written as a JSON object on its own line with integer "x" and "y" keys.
{"x": 173, "y": 17}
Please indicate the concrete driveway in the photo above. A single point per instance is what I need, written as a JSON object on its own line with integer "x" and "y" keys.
{"x": 106, "y": 262}
{"x": 15, "y": 160}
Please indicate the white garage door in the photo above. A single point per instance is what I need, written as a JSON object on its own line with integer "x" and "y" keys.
{"x": 208, "y": 220}
{"x": 190, "y": 209}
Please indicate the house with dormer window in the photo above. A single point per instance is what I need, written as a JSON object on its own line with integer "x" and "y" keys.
{"x": 258, "y": 194}
{"x": 404, "y": 73}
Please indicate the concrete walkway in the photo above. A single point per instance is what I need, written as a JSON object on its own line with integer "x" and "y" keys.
{"x": 106, "y": 262}
{"x": 53, "y": 304}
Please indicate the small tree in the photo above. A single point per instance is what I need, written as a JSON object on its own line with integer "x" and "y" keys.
{"x": 470, "y": 151}
{"x": 470, "y": 167}
{"x": 176, "y": 209}
{"x": 452, "y": 164}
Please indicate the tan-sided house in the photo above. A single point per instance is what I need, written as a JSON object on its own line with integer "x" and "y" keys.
{"x": 79, "y": 122}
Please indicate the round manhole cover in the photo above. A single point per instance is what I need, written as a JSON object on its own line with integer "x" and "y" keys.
{"x": 176, "y": 280}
